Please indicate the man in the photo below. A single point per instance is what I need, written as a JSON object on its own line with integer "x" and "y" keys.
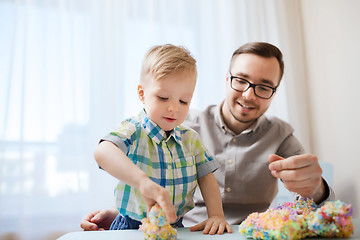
{"x": 253, "y": 150}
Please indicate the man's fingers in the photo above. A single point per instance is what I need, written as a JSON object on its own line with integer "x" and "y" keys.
{"x": 301, "y": 174}
{"x": 294, "y": 162}
{"x": 304, "y": 186}
{"x": 88, "y": 226}
{"x": 275, "y": 162}
{"x": 88, "y": 223}
{"x": 96, "y": 217}
{"x": 274, "y": 157}
{"x": 309, "y": 172}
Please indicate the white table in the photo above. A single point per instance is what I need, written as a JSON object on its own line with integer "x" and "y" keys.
{"x": 183, "y": 233}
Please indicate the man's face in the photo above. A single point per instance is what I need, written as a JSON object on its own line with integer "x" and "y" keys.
{"x": 246, "y": 107}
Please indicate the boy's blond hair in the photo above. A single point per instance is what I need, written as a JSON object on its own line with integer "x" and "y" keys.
{"x": 163, "y": 60}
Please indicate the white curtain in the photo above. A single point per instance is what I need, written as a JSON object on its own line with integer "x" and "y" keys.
{"x": 68, "y": 75}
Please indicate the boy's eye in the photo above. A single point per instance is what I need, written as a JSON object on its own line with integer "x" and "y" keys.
{"x": 183, "y": 102}
{"x": 163, "y": 98}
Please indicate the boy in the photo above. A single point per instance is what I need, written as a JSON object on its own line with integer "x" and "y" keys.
{"x": 154, "y": 156}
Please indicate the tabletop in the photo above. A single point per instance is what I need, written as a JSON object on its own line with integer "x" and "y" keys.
{"x": 183, "y": 233}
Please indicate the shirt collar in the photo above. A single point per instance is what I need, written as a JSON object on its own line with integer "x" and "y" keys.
{"x": 220, "y": 121}
{"x": 154, "y": 131}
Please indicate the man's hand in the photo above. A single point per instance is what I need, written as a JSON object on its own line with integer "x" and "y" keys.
{"x": 98, "y": 220}
{"x": 300, "y": 174}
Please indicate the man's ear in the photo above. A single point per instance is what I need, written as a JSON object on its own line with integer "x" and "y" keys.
{"x": 141, "y": 93}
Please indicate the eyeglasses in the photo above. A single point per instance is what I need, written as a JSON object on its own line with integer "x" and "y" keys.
{"x": 242, "y": 85}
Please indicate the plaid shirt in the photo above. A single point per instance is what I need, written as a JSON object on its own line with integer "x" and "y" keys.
{"x": 174, "y": 162}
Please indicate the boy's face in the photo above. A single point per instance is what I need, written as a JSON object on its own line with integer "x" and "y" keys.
{"x": 167, "y": 100}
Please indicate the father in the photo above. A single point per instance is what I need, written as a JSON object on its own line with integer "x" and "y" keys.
{"x": 252, "y": 149}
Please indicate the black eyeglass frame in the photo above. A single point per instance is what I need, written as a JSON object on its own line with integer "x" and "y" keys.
{"x": 251, "y": 85}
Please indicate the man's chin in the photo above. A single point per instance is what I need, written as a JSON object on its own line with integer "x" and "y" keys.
{"x": 244, "y": 118}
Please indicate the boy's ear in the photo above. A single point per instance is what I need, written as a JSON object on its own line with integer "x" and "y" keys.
{"x": 141, "y": 93}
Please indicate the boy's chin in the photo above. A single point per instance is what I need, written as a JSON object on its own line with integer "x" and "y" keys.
{"x": 167, "y": 128}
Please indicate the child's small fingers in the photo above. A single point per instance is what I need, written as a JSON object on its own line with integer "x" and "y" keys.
{"x": 221, "y": 228}
{"x": 214, "y": 228}
{"x": 207, "y": 228}
{"x": 169, "y": 213}
{"x": 198, "y": 227}
{"x": 228, "y": 228}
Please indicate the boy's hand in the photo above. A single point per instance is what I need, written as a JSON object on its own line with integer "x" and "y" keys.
{"x": 212, "y": 226}
{"x": 154, "y": 193}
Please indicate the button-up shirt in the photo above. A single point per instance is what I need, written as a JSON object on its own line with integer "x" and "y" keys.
{"x": 174, "y": 162}
{"x": 245, "y": 181}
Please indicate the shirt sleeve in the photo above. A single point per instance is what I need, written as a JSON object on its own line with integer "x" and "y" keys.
{"x": 122, "y": 137}
{"x": 115, "y": 140}
{"x": 206, "y": 168}
{"x": 329, "y": 192}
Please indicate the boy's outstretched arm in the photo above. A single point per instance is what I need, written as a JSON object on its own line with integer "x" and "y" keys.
{"x": 216, "y": 222}
{"x": 115, "y": 162}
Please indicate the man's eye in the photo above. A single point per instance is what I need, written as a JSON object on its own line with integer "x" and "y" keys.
{"x": 264, "y": 88}
{"x": 183, "y": 102}
{"x": 163, "y": 98}
{"x": 242, "y": 81}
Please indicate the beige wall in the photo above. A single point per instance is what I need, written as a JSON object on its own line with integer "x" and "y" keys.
{"x": 332, "y": 54}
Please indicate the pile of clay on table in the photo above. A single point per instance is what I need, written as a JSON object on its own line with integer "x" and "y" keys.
{"x": 300, "y": 219}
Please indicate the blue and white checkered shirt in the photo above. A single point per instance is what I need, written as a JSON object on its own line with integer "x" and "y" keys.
{"x": 174, "y": 162}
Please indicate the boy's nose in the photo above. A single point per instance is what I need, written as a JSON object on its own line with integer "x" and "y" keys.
{"x": 173, "y": 108}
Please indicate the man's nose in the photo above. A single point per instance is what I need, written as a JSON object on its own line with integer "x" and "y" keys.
{"x": 250, "y": 93}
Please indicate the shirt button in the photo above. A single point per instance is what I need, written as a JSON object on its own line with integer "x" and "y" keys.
{"x": 234, "y": 140}
{"x": 228, "y": 189}
{"x": 230, "y": 161}
{"x": 169, "y": 166}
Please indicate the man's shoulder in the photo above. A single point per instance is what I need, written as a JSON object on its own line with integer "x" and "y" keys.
{"x": 279, "y": 124}
{"x": 195, "y": 114}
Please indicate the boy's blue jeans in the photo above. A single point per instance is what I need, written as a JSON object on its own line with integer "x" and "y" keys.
{"x": 125, "y": 222}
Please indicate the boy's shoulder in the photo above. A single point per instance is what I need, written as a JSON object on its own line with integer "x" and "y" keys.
{"x": 184, "y": 129}
{"x": 187, "y": 131}
{"x": 189, "y": 135}
{"x": 130, "y": 124}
